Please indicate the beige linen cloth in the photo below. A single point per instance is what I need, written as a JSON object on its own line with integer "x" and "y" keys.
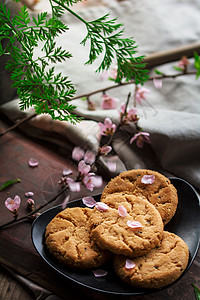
{"x": 171, "y": 114}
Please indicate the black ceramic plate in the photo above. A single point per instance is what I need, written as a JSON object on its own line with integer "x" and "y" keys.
{"x": 185, "y": 224}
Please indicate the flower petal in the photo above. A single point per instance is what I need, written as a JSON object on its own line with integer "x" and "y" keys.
{"x": 13, "y": 204}
{"x": 67, "y": 172}
{"x": 83, "y": 168}
{"x": 97, "y": 181}
{"x": 33, "y": 162}
{"x": 122, "y": 211}
{"x": 78, "y": 153}
{"x": 111, "y": 165}
{"x": 157, "y": 83}
{"x": 29, "y": 194}
{"x": 89, "y": 201}
{"x": 134, "y": 224}
{"x": 148, "y": 179}
{"x": 105, "y": 149}
{"x": 101, "y": 206}
{"x": 89, "y": 157}
{"x": 129, "y": 264}
{"x": 73, "y": 186}
{"x": 99, "y": 273}
{"x": 64, "y": 204}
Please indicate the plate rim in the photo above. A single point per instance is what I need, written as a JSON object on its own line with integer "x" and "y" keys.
{"x": 142, "y": 292}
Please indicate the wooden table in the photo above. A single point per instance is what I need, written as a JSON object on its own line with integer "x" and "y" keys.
{"x": 16, "y": 248}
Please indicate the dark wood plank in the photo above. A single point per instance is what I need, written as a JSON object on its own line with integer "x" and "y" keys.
{"x": 10, "y": 289}
{"x": 16, "y": 248}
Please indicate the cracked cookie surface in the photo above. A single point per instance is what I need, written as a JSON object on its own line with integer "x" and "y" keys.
{"x": 159, "y": 267}
{"x": 68, "y": 238}
{"x": 111, "y": 231}
{"x": 161, "y": 193}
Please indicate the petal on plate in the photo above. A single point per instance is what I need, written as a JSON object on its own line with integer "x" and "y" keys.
{"x": 99, "y": 273}
{"x": 89, "y": 201}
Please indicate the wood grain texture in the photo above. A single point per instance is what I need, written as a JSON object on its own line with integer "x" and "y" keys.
{"x": 10, "y": 289}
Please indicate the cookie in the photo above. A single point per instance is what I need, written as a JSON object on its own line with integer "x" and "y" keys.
{"x": 67, "y": 237}
{"x": 158, "y": 268}
{"x": 161, "y": 193}
{"x": 112, "y": 229}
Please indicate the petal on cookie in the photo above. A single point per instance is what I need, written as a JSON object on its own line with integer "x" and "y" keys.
{"x": 134, "y": 224}
{"x": 101, "y": 206}
{"x": 89, "y": 201}
{"x": 122, "y": 211}
{"x": 148, "y": 179}
{"x": 129, "y": 264}
{"x": 100, "y": 273}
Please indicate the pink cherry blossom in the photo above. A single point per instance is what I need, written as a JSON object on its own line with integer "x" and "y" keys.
{"x": 132, "y": 115}
{"x": 73, "y": 185}
{"x": 83, "y": 167}
{"x": 13, "y": 204}
{"x": 107, "y": 128}
{"x": 105, "y": 149}
{"x": 140, "y": 138}
{"x": 31, "y": 203}
{"x": 101, "y": 206}
{"x": 157, "y": 83}
{"x": 129, "y": 264}
{"x": 129, "y": 116}
{"x": 67, "y": 171}
{"x": 134, "y": 224}
{"x": 109, "y": 102}
{"x": 140, "y": 94}
{"x": 89, "y": 201}
{"x": 148, "y": 179}
{"x": 33, "y": 162}
{"x": 78, "y": 153}
{"x": 100, "y": 273}
{"x": 122, "y": 211}
{"x": 183, "y": 62}
{"x": 90, "y": 181}
{"x": 89, "y": 157}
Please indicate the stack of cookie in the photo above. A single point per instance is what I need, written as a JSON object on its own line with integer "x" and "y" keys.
{"x": 127, "y": 225}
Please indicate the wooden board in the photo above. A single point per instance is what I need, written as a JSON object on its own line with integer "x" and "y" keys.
{"x": 16, "y": 248}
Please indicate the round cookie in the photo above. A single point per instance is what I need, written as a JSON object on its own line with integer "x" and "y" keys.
{"x": 159, "y": 267}
{"x": 111, "y": 231}
{"x": 161, "y": 193}
{"x": 68, "y": 238}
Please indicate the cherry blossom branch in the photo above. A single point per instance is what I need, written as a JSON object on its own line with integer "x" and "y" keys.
{"x": 17, "y": 124}
{"x": 120, "y": 122}
{"x": 103, "y": 90}
{"x": 32, "y": 213}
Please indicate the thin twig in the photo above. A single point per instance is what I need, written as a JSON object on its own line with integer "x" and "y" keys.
{"x": 28, "y": 216}
{"x": 131, "y": 82}
{"x": 18, "y": 124}
{"x": 87, "y": 95}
